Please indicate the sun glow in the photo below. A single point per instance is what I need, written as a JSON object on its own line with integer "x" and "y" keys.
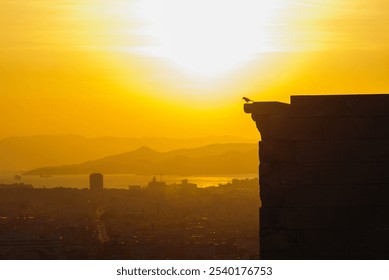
{"x": 203, "y": 37}
{"x": 174, "y": 68}
{"x": 197, "y": 44}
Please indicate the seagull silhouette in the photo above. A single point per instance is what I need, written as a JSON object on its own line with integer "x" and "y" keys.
{"x": 247, "y": 99}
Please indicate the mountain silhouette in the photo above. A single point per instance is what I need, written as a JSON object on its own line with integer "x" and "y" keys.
{"x": 29, "y": 152}
{"x": 206, "y": 160}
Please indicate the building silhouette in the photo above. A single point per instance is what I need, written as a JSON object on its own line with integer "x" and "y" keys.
{"x": 324, "y": 177}
{"x": 96, "y": 182}
{"x": 155, "y": 185}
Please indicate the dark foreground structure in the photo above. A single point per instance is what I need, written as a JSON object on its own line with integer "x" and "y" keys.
{"x": 324, "y": 177}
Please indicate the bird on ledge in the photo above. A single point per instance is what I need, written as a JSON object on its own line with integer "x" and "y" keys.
{"x": 247, "y": 99}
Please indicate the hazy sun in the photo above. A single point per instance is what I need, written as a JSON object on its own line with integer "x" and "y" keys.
{"x": 191, "y": 44}
{"x": 205, "y": 37}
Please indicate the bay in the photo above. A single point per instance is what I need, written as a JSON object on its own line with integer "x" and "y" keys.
{"x": 121, "y": 181}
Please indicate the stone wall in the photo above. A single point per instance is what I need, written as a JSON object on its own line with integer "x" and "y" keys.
{"x": 324, "y": 177}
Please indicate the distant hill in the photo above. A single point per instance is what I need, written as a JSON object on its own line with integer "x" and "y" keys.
{"x": 25, "y": 153}
{"x": 207, "y": 160}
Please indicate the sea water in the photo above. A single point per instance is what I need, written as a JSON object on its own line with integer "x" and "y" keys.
{"x": 122, "y": 181}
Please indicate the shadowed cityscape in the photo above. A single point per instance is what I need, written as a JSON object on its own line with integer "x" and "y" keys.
{"x": 49, "y": 212}
{"x": 158, "y": 221}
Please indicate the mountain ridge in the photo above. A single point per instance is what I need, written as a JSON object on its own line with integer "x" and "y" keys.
{"x": 29, "y": 152}
{"x": 210, "y": 159}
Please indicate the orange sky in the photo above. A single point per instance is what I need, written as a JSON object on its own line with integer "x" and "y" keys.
{"x": 139, "y": 68}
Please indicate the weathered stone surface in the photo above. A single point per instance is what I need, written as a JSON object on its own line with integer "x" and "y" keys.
{"x": 321, "y": 244}
{"x": 368, "y": 105}
{"x": 276, "y": 240}
{"x": 316, "y": 196}
{"x": 382, "y": 196}
{"x": 369, "y": 150}
{"x": 347, "y": 173}
{"x": 298, "y": 218}
{"x": 340, "y": 105}
{"x": 330, "y": 128}
{"x": 277, "y": 128}
{"x": 278, "y": 255}
{"x": 382, "y": 127}
{"x": 360, "y": 244}
{"x": 267, "y": 108}
{"x": 274, "y": 127}
{"x": 277, "y": 151}
{"x": 382, "y": 218}
{"x": 269, "y": 174}
{"x": 267, "y": 115}
{"x": 273, "y": 196}
{"x": 381, "y": 174}
{"x": 365, "y": 195}
{"x": 322, "y": 150}
{"x": 360, "y": 127}
{"x": 299, "y": 173}
{"x": 305, "y": 196}
{"x": 379, "y": 243}
{"x": 304, "y": 244}
{"x": 306, "y": 128}
{"x": 324, "y": 177}
{"x": 361, "y": 217}
{"x": 319, "y": 106}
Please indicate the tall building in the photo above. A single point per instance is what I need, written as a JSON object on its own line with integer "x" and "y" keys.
{"x": 96, "y": 182}
{"x": 324, "y": 164}
{"x": 156, "y": 185}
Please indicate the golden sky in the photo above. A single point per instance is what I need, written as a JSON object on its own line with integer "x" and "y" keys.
{"x": 179, "y": 68}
